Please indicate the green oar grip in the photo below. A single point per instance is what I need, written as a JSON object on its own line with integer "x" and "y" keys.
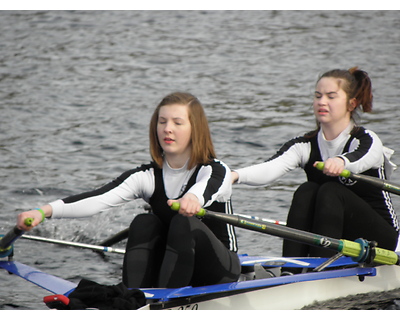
{"x": 355, "y": 249}
{"x": 176, "y": 205}
{"x": 384, "y": 256}
{"x": 345, "y": 173}
{"x": 28, "y": 222}
{"x": 350, "y": 248}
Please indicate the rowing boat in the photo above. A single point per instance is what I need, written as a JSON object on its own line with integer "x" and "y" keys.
{"x": 358, "y": 267}
{"x": 257, "y": 288}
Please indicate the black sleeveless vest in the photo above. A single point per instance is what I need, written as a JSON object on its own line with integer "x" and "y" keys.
{"x": 160, "y": 208}
{"x": 371, "y": 194}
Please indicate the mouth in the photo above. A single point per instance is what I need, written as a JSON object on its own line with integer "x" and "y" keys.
{"x": 168, "y": 140}
{"x": 322, "y": 111}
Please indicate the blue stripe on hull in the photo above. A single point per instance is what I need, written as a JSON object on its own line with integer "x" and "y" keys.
{"x": 168, "y": 294}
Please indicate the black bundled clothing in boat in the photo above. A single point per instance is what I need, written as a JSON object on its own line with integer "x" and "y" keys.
{"x": 91, "y": 295}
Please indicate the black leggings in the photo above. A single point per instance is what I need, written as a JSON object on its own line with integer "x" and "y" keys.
{"x": 334, "y": 211}
{"x": 188, "y": 253}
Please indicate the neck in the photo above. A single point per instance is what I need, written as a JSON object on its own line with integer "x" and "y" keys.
{"x": 176, "y": 162}
{"x": 331, "y": 132}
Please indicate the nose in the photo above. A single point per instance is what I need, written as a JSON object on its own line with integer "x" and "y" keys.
{"x": 168, "y": 127}
{"x": 321, "y": 101}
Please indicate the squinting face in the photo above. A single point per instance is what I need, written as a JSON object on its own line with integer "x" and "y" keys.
{"x": 330, "y": 102}
{"x": 174, "y": 130}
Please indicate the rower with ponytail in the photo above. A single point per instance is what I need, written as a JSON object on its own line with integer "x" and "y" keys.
{"x": 328, "y": 204}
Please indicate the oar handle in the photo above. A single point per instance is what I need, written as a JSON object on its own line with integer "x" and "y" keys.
{"x": 360, "y": 251}
{"x": 176, "y": 205}
{"x": 28, "y": 222}
{"x": 345, "y": 173}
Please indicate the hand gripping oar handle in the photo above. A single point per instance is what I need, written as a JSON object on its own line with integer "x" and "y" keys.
{"x": 10, "y": 237}
{"x": 359, "y": 250}
{"x": 380, "y": 183}
{"x": 176, "y": 205}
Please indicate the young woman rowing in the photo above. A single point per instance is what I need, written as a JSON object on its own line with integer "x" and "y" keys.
{"x": 327, "y": 204}
{"x": 168, "y": 248}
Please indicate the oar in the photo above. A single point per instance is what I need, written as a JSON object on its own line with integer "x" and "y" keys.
{"x": 122, "y": 235}
{"x": 360, "y": 250}
{"x": 380, "y": 183}
{"x": 175, "y": 206}
{"x": 6, "y": 242}
{"x": 74, "y": 244}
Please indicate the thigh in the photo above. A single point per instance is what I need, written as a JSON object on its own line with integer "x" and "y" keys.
{"x": 144, "y": 251}
{"x": 214, "y": 262}
{"x": 362, "y": 221}
{"x": 342, "y": 214}
{"x": 302, "y": 208}
{"x": 301, "y": 215}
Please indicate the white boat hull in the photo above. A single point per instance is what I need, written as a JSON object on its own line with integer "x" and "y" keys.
{"x": 293, "y": 295}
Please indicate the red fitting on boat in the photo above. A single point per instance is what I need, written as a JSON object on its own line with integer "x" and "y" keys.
{"x": 57, "y": 301}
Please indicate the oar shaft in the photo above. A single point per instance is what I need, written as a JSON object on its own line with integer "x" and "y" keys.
{"x": 278, "y": 230}
{"x": 379, "y": 183}
{"x": 348, "y": 248}
{"x": 74, "y": 244}
{"x": 10, "y": 237}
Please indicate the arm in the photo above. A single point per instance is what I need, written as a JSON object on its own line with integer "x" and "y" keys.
{"x": 291, "y": 155}
{"x": 133, "y": 184}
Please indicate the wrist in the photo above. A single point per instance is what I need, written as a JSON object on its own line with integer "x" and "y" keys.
{"x": 43, "y": 214}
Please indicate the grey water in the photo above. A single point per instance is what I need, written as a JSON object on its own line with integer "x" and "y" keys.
{"x": 77, "y": 89}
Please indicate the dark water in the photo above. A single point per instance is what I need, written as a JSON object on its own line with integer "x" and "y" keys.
{"x": 77, "y": 89}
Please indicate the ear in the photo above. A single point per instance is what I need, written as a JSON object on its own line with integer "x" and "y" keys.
{"x": 352, "y": 104}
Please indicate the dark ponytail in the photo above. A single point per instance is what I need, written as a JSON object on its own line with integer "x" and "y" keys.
{"x": 362, "y": 90}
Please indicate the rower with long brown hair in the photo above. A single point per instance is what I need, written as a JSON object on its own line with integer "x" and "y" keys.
{"x": 167, "y": 248}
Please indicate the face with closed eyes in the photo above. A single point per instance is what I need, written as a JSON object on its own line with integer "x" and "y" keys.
{"x": 331, "y": 105}
{"x": 174, "y": 133}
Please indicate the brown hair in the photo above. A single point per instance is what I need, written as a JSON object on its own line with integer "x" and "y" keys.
{"x": 202, "y": 145}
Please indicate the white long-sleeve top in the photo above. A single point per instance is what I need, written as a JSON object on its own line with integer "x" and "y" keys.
{"x": 213, "y": 183}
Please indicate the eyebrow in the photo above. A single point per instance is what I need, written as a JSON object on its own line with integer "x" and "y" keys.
{"x": 175, "y": 118}
{"x": 331, "y": 92}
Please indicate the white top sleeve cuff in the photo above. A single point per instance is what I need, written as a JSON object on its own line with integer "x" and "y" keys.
{"x": 57, "y": 207}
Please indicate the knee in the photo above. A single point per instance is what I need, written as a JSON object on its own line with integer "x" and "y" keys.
{"x": 143, "y": 220}
{"x": 330, "y": 191}
{"x": 182, "y": 227}
{"x": 306, "y": 192}
{"x": 179, "y": 224}
{"x": 144, "y": 224}
{"x": 308, "y": 187}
